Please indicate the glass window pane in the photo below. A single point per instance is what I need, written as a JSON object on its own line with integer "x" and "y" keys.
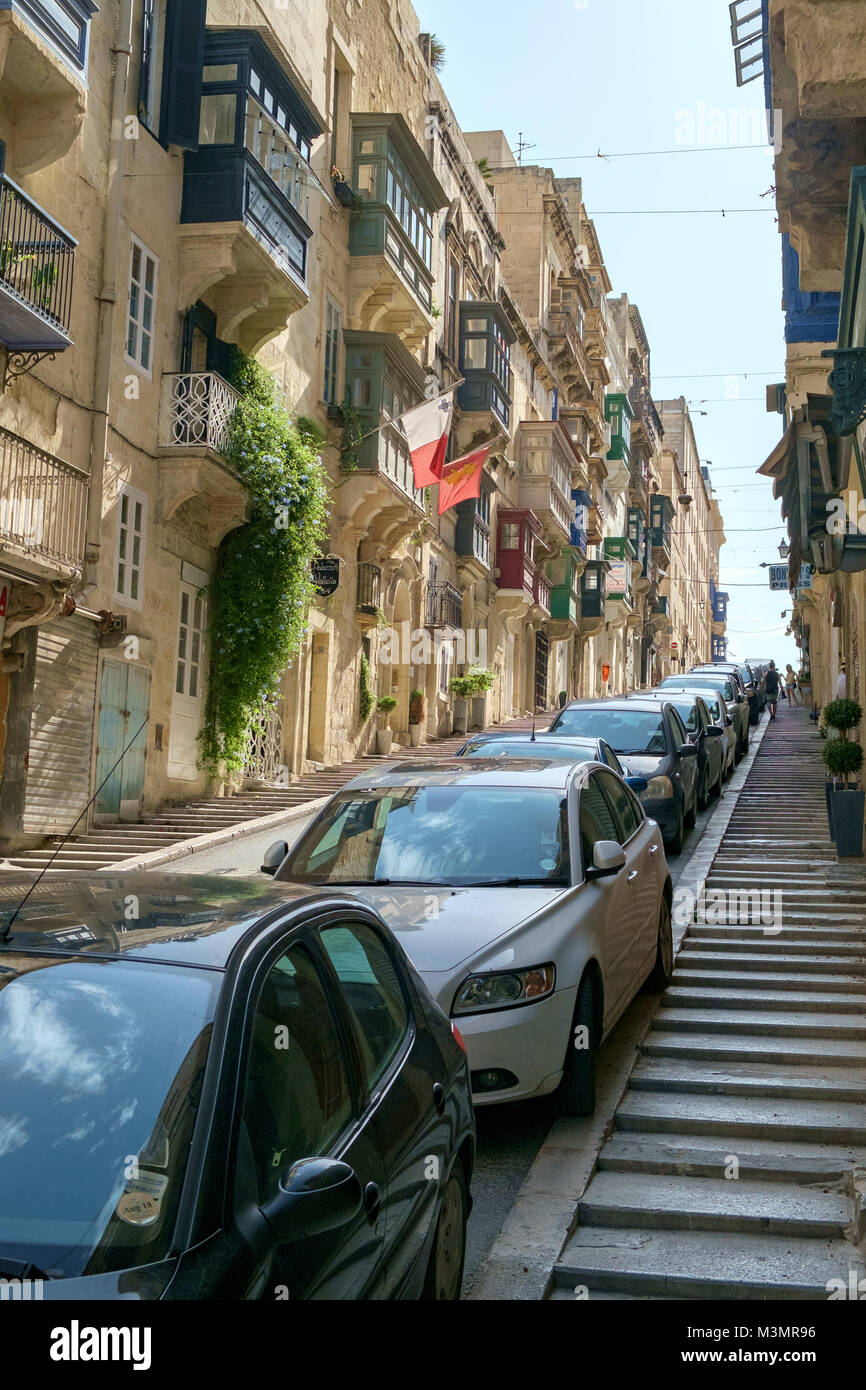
{"x": 297, "y": 1098}
{"x": 220, "y": 72}
{"x": 475, "y": 353}
{"x": 217, "y": 118}
{"x": 365, "y": 180}
{"x": 372, "y": 992}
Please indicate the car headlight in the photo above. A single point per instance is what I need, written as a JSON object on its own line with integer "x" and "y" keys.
{"x": 658, "y": 789}
{"x": 506, "y": 991}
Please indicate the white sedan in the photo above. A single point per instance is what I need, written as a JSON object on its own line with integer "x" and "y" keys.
{"x": 533, "y": 896}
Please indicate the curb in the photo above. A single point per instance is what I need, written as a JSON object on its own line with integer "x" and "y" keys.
{"x": 185, "y": 848}
{"x": 544, "y": 1212}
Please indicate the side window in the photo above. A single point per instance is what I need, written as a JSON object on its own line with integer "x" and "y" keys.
{"x": 678, "y": 731}
{"x": 629, "y": 817}
{"x": 596, "y": 819}
{"x": 373, "y": 994}
{"x": 298, "y": 1097}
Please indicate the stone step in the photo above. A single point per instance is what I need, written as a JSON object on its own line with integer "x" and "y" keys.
{"x": 789, "y": 932}
{"x": 730, "y": 980}
{"x": 779, "y": 1024}
{"x": 695, "y": 1265}
{"x": 661, "y": 1202}
{"x": 709, "y": 1077}
{"x": 734, "y": 1116}
{"x": 802, "y": 1001}
{"x": 771, "y": 948}
{"x": 753, "y": 1047}
{"x": 702, "y": 1155}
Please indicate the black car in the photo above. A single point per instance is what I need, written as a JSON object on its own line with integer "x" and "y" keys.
{"x": 547, "y": 745}
{"x": 708, "y": 736}
{"x": 650, "y": 740}
{"x": 224, "y": 1090}
{"x": 726, "y": 678}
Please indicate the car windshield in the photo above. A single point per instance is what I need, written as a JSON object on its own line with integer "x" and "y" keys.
{"x": 100, "y": 1081}
{"x": 445, "y": 835}
{"x": 626, "y": 730}
{"x": 545, "y": 746}
{"x": 707, "y": 683}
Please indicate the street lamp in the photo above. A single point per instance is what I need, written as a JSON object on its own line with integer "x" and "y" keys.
{"x": 784, "y": 550}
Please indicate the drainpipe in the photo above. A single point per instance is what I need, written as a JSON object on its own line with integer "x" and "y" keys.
{"x": 108, "y": 292}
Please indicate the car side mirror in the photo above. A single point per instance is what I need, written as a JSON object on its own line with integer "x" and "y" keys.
{"x": 608, "y": 858}
{"x": 637, "y": 784}
{"x": 315, "y": 1195}
{"x": 714, "y": 731}
{"x": 274, "y": 857}
{"x": 689, "y": 750}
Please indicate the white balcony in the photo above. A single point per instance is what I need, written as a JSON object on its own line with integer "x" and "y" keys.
{"x": 43, "y": 508}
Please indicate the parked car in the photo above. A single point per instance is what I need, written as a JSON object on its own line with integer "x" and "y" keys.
{"x": 731, "y": 688}
{"x": 533, "y": 897}
{"x": 219, "y": 1090}
{"x": 706, "y": 734}
{"x": 650, "y": 740}
{"x": 719, "y": 714}
{"x": 546, "y": 745}
{"x": 746, "y": 681}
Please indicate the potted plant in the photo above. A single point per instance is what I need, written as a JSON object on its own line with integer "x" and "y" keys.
{"x": 473, "y": 686}
{"x": 384, "y": 734}
{"x": 461, "y": 689}
{"x": 482, "y": 681}
{"x": 843, "y": 757}
{"x": 416, "y": 716}
{"x": 343, "y": 190}
{"x": 804, "y": 680}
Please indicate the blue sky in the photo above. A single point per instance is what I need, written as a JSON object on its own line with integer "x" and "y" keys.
{"x": 620, "y": 76}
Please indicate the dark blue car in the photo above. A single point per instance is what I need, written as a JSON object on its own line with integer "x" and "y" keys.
{"x": 224, "y": 1090}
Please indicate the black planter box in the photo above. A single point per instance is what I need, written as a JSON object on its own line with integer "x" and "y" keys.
{"x": 846, "y": 813}
{"x": 344, "y": 193}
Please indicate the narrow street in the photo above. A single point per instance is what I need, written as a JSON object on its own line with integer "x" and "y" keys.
{"x": 731, "y": 1171}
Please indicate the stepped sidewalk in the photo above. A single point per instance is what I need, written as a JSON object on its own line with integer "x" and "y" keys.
{"x": 173, "y": 832}
{"x": 736, "y": 1167}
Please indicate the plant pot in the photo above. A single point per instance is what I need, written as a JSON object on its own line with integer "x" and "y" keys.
{"x": 847, "y": 809}
{"x": 415, "y": 734}
{"x": 829, "y": 789}
{"x": 384, "y": 739}
{"x": 479, "y": 712}
{"x": 461, "y": 715}
{"x": 344, "y": 193}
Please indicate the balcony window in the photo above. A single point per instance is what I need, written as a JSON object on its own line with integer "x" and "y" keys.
{"x": 401, "y": 196}
{"x": 63, "y": 24}
{"x": 485, "y": 358}
{"x": 619, "y": 415}
{"x": 383, "y": 381}
{"x": 509, "y": 536}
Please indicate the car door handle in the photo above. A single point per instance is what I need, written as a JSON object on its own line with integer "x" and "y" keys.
{"x": 654, "y": 849}
{"x": 632, "y": 876}
{"x": 372, "y": 1200}
{"x": 439, "y": 1097}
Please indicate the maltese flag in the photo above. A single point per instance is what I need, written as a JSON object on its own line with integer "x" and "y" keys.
{"x": 427, "y": 429}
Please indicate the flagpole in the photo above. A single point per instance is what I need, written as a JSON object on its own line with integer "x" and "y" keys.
{"x": 389, "y": 420}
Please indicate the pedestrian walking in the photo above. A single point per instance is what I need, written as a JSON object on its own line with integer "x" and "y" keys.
{"x": 842, "y": 682}
{"x": 771, "y": 686}
{"x": 790, "y": 683}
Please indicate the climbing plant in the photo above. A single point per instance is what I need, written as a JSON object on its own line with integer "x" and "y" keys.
{"x": 367, "y": 698}
{"x": 261, "y": 592}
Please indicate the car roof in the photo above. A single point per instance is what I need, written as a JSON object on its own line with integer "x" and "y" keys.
{"x": 554, "y": 736}
{"x": 455, "y": 772}
{"x": 700, "y": 690}
{"x": 671, "y": 690}
{"x": 181, "y": 919}
{"x": 615, "y": 702}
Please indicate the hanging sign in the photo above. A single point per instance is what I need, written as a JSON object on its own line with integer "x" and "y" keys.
{"x": 779, "y": 578}
{"x": 325, "y": 573}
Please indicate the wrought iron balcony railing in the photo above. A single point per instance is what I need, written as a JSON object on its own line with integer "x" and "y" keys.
{"x": 369, "y": 587}
{"x": 444, "y": 606}
{"x": 36, "y": 263}
{"x": 43, "y": 504}
{"x": 196, "y": 411}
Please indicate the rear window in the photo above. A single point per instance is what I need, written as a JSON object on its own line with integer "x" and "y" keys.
{"x": 100, "y": 1081}
{"x": 628, "y": 731}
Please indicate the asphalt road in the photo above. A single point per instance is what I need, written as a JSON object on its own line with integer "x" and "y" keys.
{"x": 509, "y": 1136}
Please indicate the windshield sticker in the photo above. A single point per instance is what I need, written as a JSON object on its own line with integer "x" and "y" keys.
{"x": 140, "y": 1200}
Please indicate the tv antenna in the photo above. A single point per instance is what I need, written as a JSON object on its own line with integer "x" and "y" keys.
{"x": 521, "y": 146}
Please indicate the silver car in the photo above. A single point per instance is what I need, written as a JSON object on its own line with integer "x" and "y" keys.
{"x": 717, "y": 706}
{"x": 533, "y": 897}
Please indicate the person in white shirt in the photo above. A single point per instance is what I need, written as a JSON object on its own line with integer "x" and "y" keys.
{"x": 841, "y": 683}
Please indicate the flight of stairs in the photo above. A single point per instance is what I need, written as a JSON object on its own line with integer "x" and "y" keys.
{"x": 737, "y": 1165}
{"x": 104, "y": 846}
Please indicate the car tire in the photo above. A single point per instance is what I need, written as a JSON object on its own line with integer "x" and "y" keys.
{"x": 716, "y": 791}
{"x": 445, "y": 1269}
{"x": 660, "y": 975}
{"x": 675, "y": 844}
{"x": 690, "y": 817}
{"x": 575, "y": 1094}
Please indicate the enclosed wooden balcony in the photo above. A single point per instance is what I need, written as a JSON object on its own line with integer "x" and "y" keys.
{"x": 43, "y": 74}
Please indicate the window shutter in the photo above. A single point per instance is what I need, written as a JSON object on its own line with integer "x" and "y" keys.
{"x": 182, "y": 72}
{"x": 146, "y": 60}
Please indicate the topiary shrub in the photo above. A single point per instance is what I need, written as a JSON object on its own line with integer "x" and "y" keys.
{"x": 843, "y": 758}
{"x": 386, "y": 706}
{"x": 416, "y": 707}
{"x": 842, "y": 715}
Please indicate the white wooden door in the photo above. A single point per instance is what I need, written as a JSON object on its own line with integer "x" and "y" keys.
{"x": 187, "y": 705}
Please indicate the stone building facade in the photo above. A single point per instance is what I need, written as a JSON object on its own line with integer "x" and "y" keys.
{"x": 168, "y": 193}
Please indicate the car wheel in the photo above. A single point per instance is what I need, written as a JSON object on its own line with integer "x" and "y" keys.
{"x": 659, "y": 978}
{"x": 691, "y": 816}
{"x": 675, "y": 845}
{"x": 445, "y": 1270}
{"x": 575, "y": 1094}
{"x": 717, "y": 789}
